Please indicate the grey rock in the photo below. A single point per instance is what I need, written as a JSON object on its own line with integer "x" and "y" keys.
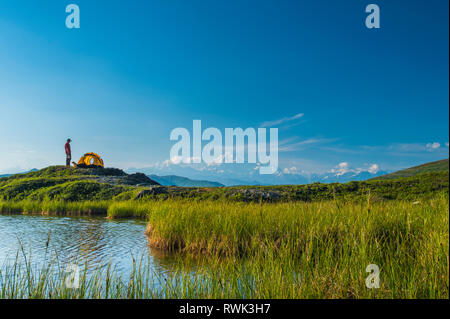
{"x": 252, "y": 194}
{"x": 139, "y": 178}
{"x": 151, "y": 191}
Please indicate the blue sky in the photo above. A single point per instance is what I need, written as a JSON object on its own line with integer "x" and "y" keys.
{"x": 135, "y": 70}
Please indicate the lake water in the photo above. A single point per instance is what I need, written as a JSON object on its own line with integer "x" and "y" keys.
{"x": 100, "y": 241}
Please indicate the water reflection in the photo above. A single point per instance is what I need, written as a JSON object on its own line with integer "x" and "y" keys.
{"x": 98, "y": 241}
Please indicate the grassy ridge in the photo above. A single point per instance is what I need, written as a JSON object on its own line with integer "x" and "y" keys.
{"x": 432, "y": 167}
{"x": 68, "y": 184}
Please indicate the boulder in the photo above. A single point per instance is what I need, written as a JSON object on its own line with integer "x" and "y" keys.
{"x": 251, "y": 194}
{"x": 151, "y": 191}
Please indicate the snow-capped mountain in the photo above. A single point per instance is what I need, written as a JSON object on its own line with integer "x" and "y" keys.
{"x": 247, "y": 174}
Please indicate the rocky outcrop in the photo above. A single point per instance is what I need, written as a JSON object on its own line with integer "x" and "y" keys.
{"x": 116, "y": 176}
{"x": 252, "y": 194}
{"x": 139, "y": 179}
{"x": 156, "y": 190}
{"x": 100, "y": 171}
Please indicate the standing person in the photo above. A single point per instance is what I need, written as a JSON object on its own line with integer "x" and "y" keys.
{"x": 68, "y": 152}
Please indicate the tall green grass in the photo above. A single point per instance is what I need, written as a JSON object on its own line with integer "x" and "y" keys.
{"x": 55, "y": 207}
{"x": 22, "y": 280}
{"x": 283, "y": 250}
{"x": 328, "y": 244}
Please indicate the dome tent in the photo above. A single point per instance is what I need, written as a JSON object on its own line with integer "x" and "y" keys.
{"x": 90, "y": 160}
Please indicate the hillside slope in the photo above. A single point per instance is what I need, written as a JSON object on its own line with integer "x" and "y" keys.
{"x": 69, "y": 184}
{"x": 438, "y": 166}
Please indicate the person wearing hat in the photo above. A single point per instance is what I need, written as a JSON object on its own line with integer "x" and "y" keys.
{"x": 68, "y": 152}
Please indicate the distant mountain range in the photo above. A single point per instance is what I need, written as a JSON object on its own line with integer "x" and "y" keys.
{"x": 437, "y": 166}
{"x": 247, "y": 175}
{"x": 345, "y": 177}
{"x": 240, "y": 176}
{"x": 174, "y": 180}
{"x": 190, "y": 177}
{"x": 8, "y": 175}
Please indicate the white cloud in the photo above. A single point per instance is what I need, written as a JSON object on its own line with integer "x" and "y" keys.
{"x": 341, "y": 169}
{"x": 179, "y": 159}
{"x": 433, "y": 146}
{"x": 373, "y": 169}
{"x": 283, "y": 120}
{"x": 392, "y": 149}
{"x": 344, "y": 167}
{"x": 227, "y": 157}
{"x": 292, "y": 170}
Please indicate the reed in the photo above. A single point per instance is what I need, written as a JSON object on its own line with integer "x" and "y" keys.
{"x": 251, "y": 250}
{"x": 55, "y": 207}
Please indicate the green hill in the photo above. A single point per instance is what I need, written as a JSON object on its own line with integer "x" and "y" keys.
{"x": 438, "y": 166}
{"x": 71, "y": 184}
{"x": 75, "y": 184}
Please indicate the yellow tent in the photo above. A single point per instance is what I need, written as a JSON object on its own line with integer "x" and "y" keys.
{"x": 91, "y": 159}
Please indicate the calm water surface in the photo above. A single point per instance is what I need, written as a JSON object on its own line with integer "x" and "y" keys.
{"x": 98, "y": 240}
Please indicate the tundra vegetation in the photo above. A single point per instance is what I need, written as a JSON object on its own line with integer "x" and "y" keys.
{"x": 293, "y": 241}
